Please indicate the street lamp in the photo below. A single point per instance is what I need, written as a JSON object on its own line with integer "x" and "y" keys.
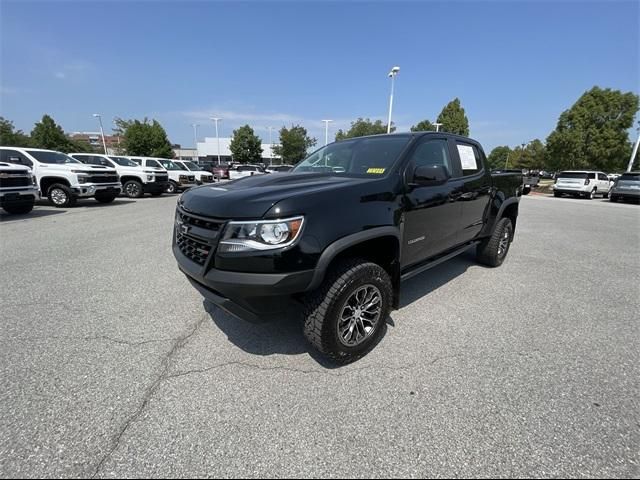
{"x": 394, "y": 71}
{"x": 634, "y": 153}
{"x": 104, "y": 144}
{"x": 326, "y": 130}
{"x": 437, "y": 125}
{"x": 195, "y": 139}
{"x": 216, "y": 120}
{"x": 270, "y": 145}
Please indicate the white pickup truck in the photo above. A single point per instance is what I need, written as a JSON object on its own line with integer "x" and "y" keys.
{"x": 18, "y": 190}
{"x": 202, "y": 176}
{"x": 179, "y": 180}
{"x": 136, "y": 180}
{"x": 63, "y": 179}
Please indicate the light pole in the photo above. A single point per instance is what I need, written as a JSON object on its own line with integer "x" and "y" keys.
{"x": 216, "y": 120}
{"x": 104, "y": 144}
{"x": 195, "y": 140}
{"x": 394, "y": 71}
{"x": 270, "y": 145}
{"x": 326, "y": 130}
{"x": 117, "y": 131}
{"x": 634, "y": 153}
{"x": 437, "y": 125}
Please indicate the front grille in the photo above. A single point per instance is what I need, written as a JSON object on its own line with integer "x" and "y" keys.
{"x": 197, "y": 236}
{"x": 162, "y": 178}
{"x": 200, "y": 222}
{"x": 15, "y": 182}
{"x": 192, "y": 178}
{"x": 103, "y": 179}
{"x": 206, "y": 179}
{"x": 193, "y": 249}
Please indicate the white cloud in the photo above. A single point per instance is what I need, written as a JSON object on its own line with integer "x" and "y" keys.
{"x": 72, "y": 70}
{"x": 60, "y": 75}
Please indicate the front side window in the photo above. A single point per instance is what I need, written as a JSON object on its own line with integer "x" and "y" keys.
{"x": 13, "y": 156}
{"x": 191, "y": 166}
{"x": 153, "y": 163}
{"x": 358, "y": 157}
{"x": 431, "y": 153}
{"x": 52, "y": 157}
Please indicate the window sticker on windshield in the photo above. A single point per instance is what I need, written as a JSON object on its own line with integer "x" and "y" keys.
{"x": 376, "y": 170}
{"x": 467, "y": 157}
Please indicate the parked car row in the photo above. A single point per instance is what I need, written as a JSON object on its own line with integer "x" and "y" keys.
{"x": 233, "y": 171}
{"x": 588, "y": 184}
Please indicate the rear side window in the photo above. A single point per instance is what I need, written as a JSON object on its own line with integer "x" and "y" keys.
{"x": 580, "y": 175}
{"x": 470, "y": 159}
{"x": 592, "y": 176}
{"x": 602, "y": 176}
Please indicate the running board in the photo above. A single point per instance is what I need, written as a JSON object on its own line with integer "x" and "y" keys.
{"x": 437, "y": 261}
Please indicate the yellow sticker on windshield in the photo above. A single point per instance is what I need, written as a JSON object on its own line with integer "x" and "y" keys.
{"x": 376, "y": 170}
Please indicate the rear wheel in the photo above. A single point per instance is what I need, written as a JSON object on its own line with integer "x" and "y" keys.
{"x": 605, "y": 195}
{"x": 591, "y": 195}
{"x": 346, "y": 315}
{"x": 493, "y": 250}
{"x": 133, "y": 189}
{"x": 61, "y": 196}
{"x": 613, "y": 199}
{"x": 18, "y": 208}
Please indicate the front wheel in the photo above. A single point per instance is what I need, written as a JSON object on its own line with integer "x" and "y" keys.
{"x": 346, "y": 315}
{"x": 106, "y": 198}
{"x": 613, "y": 199}
{"x": 172, "y": 187}
{"x": 493, "y": 250}
{"x": 133, "y": 189}
{"x": 18, "y": 208}
{"x": 61, "y": 196}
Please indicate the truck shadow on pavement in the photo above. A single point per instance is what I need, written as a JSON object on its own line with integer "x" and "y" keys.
{"x": 36, "y": 213}
{"x": 284, "y": 336}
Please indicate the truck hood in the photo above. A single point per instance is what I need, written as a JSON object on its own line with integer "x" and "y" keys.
{"x": 252, "y": 197}
{"x": 78, "y": 167}
{"x": 13, "y": 168}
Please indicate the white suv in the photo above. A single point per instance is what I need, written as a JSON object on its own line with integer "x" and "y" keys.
{"x": 582, "y": 183}
{"x": 136, "y": 180}
{"x": 64, "y": 179}
{"x": 202, "y": 176}
{"x": 179, "y": 180}
{"x": 241, "y": 171}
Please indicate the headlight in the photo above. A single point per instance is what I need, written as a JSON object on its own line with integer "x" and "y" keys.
{"x": 260, "y": 235}
{"x": 82, "y": 178}
{"x": 149, "y": 177}
{"x": 33, "y": 180}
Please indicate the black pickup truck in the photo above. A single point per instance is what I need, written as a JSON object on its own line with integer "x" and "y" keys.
{"x": 340, "y": 231}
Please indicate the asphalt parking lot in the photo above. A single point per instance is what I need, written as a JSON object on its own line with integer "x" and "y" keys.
{"x": 112, "y": 366}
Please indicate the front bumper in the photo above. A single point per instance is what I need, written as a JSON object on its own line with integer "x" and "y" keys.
{"x": 255, "y": 297}
{"x": 578, "y": 190}
{"x": 186, "y": 185}
{"x": 15, "y": 192}
{"x": 155, "y": 187}
{"x": 90, "y": 189}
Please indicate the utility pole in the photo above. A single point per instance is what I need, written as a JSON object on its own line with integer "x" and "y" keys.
{"x": 270, "y": 145}
{"x": 437, "y": 125}
{"x": 195, "y": 140}
{"x": 394, "y": 71}
{"x": 104, "y": 144}
{"x": 326, "y": 131}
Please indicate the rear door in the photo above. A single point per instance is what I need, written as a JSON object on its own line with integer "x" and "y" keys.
{"x": 603, "y": 183}
{"x": 476, "y": 189}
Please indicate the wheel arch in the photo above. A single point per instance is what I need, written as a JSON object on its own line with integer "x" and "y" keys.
{"x": 46, "y": 182}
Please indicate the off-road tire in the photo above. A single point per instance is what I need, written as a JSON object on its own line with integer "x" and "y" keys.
{"x": 18, "y": 208}
{"x": 133, "y": 189}
{"x": 489, "y": 252}
{"x": 323, "y": 307}
{"x": 172, "y": 187}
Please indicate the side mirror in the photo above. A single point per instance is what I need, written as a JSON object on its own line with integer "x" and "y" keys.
{"x": 430, "y": 175}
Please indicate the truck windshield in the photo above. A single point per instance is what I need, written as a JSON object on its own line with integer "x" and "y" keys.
{"x": 358, "y": 157}
{"x": 124, "y": 162}
{"x": 191, "y": 166}
{"x": 52, "y": 157}
{"x": 169, "y": 165}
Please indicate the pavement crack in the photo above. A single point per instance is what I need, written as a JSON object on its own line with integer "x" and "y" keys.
{"x": 165, "y": 364}
{"x": 92, "y": 339}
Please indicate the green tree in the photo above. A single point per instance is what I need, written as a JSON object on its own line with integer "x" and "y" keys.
{"x": 453, "y": 118}
{"x": 498, "y": 157}
{"x": 424, "y": 126}
{"x": 48, "y": 134}
{"x": 593, "y": 133}
{"x": 362, "y": 127}
{"x": 533, "y": 157}
{"x": 145, "y": 138}
{"x": 246, "y": 146}
{"x": 294, "y": 143}
{"x": 9, "y": 137}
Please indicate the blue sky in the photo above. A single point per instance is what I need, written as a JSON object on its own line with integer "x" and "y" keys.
{"x": 515, "y": 65}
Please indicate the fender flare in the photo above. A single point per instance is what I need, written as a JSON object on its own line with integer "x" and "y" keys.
{"x": 505, "y": 204}
{"x": 344, "y": 243}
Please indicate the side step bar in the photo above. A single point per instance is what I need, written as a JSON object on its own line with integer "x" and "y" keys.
{"x": 437, "y": 261}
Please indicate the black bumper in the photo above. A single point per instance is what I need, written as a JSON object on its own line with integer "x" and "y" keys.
{"x": 17, "y": 199}
{"x": 625, "y": 196}
{"x": 255, "y": 297}
{"x": 155, "y": 187}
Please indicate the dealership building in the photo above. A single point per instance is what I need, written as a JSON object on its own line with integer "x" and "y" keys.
{"x": 208, "y": 151}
